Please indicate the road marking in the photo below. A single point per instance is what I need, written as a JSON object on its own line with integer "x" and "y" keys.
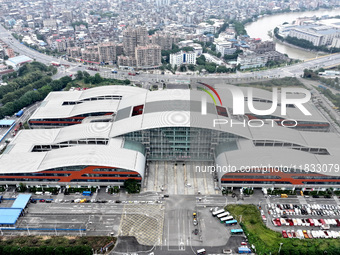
{"x": 175, "y": 178}
{"x": 155, "y": 177}
{"x": 185, "y": 180}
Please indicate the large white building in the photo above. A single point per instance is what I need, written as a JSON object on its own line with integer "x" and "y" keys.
{"x": 182, "y": 58}
{"x": 168, "y": 125}
{"x": 318, "y": 35}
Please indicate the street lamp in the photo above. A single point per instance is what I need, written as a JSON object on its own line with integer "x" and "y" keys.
{"x": 280, "y": 247}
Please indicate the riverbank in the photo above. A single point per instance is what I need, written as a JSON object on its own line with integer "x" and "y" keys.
{"x": 317, "y": 53}
{"x": 260, "y": 28}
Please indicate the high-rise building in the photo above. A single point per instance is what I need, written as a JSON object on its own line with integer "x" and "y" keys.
{"x": 109, "y": 51}
{"x": 164, "y": 40}
{"x": 148, "y": 56}
{"x": 133, "y": 37}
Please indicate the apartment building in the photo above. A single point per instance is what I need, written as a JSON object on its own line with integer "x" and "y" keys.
{"x": 109, "y": 51}
{"x": 148, "y": 56}
{"x": 133, "y": 37}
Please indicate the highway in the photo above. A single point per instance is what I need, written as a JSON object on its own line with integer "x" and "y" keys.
{"x": 295, "y": 70}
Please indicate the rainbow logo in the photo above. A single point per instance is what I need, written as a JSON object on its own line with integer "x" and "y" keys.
{"x": 209, "y": 93}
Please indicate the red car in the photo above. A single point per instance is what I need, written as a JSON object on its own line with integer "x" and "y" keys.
{"x": 42, "y": 200}
{"x": 284, "y": 234}
{"x": 243, "y": 243}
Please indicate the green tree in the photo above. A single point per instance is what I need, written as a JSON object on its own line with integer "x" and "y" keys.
{"x": 191, "y": 67}
{"x": 86, "y": 74}
{"x": 132, "y": 186}
{"x": 201, "y": 60}
{"x": 79, "y": 75}
{"x": 182, "y": 68}
{"x": 97, "y": 78}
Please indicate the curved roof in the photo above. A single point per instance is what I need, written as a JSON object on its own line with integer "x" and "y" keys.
{"x": 52, "y": 106}
{"x": 18, "y": 157}
{"x": 172, "y": 108}
{"x": 274, "y": 157}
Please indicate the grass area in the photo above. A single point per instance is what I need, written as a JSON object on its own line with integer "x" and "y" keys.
{"x": 274, "y": 83}
{"x": 95, "y": 242}
{"x": 267, "y": 241}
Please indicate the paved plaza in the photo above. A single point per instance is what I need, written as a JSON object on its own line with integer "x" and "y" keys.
{"x": 180, "y": 178}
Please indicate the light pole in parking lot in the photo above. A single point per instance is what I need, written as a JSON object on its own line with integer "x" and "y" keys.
{"x": 280, "y": 247}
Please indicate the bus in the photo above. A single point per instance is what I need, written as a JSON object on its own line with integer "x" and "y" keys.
{"x": 231, "y": 222}
{"x": 236, "y": 231}
{"x": 215, "y": 213}
{"x": 55, "y": 64}
{"x": 226, "y": 218}
{"x": 224, "y": 214}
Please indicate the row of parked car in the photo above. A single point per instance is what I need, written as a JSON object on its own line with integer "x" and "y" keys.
{"x": 309, "y": 209}
{"x": 323, "y": 223}
{"x": 309, "y": 234}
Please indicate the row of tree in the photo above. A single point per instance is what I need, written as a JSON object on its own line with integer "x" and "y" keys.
{"x": 32, "y": 96}
{"x": 43, "y": 250}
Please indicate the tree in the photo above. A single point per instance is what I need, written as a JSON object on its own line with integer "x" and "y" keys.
{"x": 183, "y": 68}
{"x": 132, "y": 186}
{"x": 213, "y": 47}
{"x": 86, "y": 74}
{"x": 79, "y": 75}
{"x": 201, "y": 60}
{"x": 222, "y": 69}
{"x": 219, "y": 54}
{"x": 210, "y": 67}
{"x": 191, "y": 67}
{"x": 97, "y": 78}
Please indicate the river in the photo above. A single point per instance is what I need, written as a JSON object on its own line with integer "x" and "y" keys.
{"x": 260, "y": 28}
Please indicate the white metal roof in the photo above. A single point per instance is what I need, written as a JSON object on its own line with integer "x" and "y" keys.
{"x": 20, "y": 158}
{"x": 52, "y": 106}
{"x": 274, "y": 157}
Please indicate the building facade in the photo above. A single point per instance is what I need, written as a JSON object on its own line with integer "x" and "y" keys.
{"x": 133, "y": 37}
{"x": 182, "y": 58}
{"x": 168, "y": 125}
{"x": 148, "y": 56}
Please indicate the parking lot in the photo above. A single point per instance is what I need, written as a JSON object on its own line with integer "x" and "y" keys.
{"x": 319, "y": 218}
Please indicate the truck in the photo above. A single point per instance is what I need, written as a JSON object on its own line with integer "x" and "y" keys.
{"x": 19, "y": 113}
{"x": 243, "y": 249}
{"x": 284, "y": 195}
